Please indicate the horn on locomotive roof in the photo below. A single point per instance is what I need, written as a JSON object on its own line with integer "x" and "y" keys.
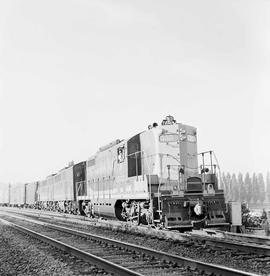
{"x": 169, "y": 120}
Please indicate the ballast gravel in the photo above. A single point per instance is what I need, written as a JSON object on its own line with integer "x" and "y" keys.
{"x": 23, "y": 255}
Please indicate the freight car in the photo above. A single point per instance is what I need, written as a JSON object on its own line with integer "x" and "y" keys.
{"x": 17, "y": 194}
{"x": 4, "y": 194}
{"x": 151, "y": 178}
{"x": 30, "y": 194}
{"x": 56, "y": 192}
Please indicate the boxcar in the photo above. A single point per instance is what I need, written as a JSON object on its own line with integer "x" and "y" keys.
{"x": 17, "y": 194}
{"x": 31, "y": 194}
{"x": 4, "y": 193}
{"x": 45, "y": 190}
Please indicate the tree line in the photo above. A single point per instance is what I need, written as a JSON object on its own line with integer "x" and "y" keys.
{"x": 248, "y": 188}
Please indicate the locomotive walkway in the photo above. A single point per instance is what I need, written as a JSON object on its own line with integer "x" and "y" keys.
{"x": 113, "y": 256}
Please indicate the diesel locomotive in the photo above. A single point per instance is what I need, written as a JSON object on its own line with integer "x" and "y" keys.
{"x": 152, "y": 178}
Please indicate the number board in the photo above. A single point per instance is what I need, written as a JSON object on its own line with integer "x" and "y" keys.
{"x": 168, "y": 138}
{"x": 191, "y": 138}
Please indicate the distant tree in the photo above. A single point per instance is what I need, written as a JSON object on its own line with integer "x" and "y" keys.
{"x": 255, "y": 188}
{"x": 222, "y": 181}
{"x": 235, "y": 188}
{"x": 268, "y": 186}
{"x": 248, "y": 187}
{"x": 228, "y": 184}
{"x": 242, "y": 188}
{"x": 261, "y": 188}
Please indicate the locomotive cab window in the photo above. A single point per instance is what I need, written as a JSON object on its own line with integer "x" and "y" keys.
{"x": 134, "y": 156}
{"x": 121, "y": 154}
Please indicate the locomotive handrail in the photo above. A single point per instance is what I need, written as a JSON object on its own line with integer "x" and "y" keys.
{"x": 212, "y": 153}
{"x": 219, "y": 170}
{"x": 81, "y": 187}
{"x": 134, "y": 153}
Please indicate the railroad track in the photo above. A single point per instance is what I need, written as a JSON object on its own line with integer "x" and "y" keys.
{"x": 212, "y": 234}
{"x": 118, "y": 258}
{"x": 45, "y": 213}
{"x": 214, "y": 239}
{"x": 109, "y": 224}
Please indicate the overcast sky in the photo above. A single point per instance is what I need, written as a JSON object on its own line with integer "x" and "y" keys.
{"x": 75, "y": 75}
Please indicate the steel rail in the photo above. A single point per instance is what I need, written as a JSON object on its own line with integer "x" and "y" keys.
{"x": 106, "y": 265}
